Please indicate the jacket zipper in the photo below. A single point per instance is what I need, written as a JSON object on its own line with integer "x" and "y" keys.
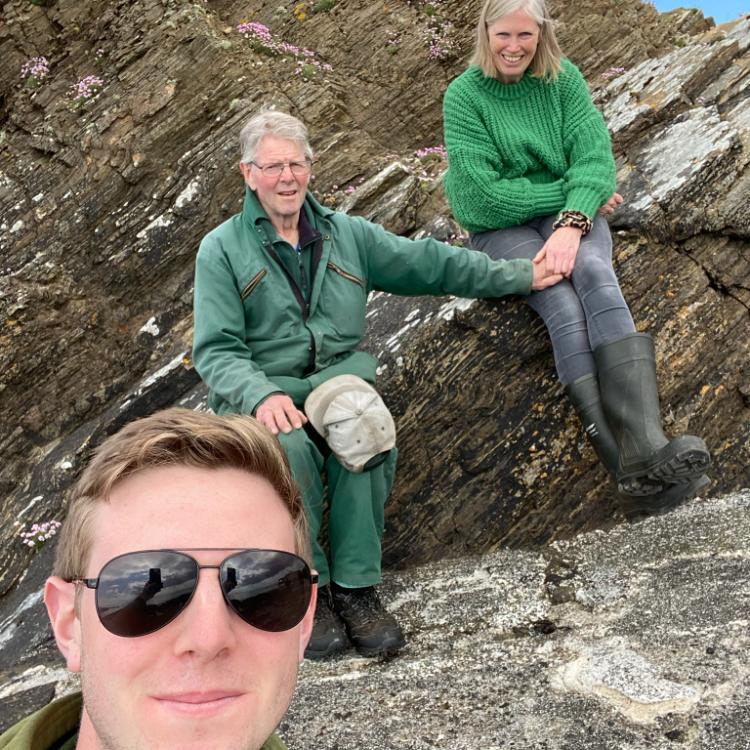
{"x": 345, "y": 274}
{"x": 248, "y": 290}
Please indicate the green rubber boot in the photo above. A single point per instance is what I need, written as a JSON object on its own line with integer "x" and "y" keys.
{"x": 585, "y": 397}
{"x": 630, "y": 399}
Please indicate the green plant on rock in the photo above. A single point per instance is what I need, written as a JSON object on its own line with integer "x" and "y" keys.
{"x": 323, "y": 6}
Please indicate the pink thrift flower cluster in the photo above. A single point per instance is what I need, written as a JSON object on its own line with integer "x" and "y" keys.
{"x": 86, "y": 88}
{"x": 307, "y": 63}
{"x": 258, "y": 31}
{"x": 611, "y": 73}
{"x": 432, "y": 151}
{"x": 36, "y": 68}
{"x": 441, "y": 40}
{"x": 39, "y": 533}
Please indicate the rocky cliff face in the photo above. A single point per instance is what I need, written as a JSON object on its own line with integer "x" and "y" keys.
{"x": 106, "y": 189}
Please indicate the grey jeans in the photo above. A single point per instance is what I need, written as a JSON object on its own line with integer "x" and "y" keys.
{"x": 580, "y": 313}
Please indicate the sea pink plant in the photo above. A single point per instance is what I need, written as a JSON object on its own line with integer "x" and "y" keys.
{"x": 87, "y": 88}
{"x": 34, "y": 71}
{"x": 611, "y": 73}
{"x": 432, "y": 151}
{"x": 39, "y": 533}
{"x": 307, "y": 64}
{"x": 441, "y": 40}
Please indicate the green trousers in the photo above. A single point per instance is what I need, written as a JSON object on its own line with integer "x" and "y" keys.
{"x": 356, "y": 516}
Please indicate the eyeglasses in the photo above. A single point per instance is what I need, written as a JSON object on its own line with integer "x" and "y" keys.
{"x": 140, "y": 592}
{"x": 298, "y": 168}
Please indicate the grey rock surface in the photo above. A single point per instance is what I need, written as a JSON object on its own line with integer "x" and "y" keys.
{"x": 635, "y": 638}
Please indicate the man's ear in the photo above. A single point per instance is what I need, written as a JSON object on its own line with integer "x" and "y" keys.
{"x": 247, "y": 172}
{"x": 307, "y": 623}
{"x": 59, "y": 598}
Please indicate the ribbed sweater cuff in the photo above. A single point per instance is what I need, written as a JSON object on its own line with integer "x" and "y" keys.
{"x": 585, "y": 200}
{"x": 548, "y": 199}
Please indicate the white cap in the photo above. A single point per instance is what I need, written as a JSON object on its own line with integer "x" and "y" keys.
{"x": 354, "y": 420}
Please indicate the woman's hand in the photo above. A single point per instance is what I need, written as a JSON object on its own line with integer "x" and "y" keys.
{"x": 559, "y": 251}
{"x": 609, "y": 207}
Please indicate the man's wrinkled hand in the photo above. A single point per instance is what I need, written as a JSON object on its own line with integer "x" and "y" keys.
{"x": 541, "y": 279}
{"x": 279, "y": 414}
{"x": 609, "y": 207}
{"x": 559, "y": 251}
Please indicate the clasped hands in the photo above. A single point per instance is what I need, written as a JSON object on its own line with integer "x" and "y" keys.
{"x": 557, "y": 257}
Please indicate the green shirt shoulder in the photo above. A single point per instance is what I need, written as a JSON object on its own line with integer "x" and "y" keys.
{"x": 55, "y": 727}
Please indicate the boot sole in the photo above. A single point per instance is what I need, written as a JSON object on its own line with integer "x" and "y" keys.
{"x": 337, "y": 646}
{"x": 390, "y": 646}
{"x": 679, "y": 462}
{"x": 635, "y": 509}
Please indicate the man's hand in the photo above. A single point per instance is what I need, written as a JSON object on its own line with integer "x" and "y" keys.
{"x": 541, "y": 279}
{"x": 609, "y": 207}
{"x": 279, "y": 414}
{"x": 559, "y": 251}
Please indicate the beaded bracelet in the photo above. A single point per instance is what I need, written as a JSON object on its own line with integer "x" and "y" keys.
{"x": 574, "y": 219}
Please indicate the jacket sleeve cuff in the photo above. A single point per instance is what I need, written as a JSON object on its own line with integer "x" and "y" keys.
{"x": 513, "y": 276}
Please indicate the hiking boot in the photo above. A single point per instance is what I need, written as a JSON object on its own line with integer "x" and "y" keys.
{"x": 328, "y": 636}
{"x": 371, "y": 628}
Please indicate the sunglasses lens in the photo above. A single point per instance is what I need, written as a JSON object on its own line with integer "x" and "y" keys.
{"x": 268, "y": 589}
{"x": 141, "y": 592}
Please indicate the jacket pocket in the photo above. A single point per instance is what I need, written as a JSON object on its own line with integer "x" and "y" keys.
{"x": 341, "y": 272}
{"x": 250, "y": 286}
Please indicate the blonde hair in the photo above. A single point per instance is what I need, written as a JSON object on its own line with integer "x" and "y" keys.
{"x": 174, "y": 437}
{"x": 546, "y": 62}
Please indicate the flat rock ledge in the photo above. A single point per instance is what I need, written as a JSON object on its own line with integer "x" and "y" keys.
{"x": 633, "y": 638}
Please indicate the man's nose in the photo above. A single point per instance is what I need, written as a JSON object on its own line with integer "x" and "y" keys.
{"x": 206, "y": 628}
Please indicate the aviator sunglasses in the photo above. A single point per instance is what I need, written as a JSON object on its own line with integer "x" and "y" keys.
{"x": 140, "y": 592}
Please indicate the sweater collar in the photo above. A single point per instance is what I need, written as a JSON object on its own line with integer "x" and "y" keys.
{"x": 506, "y": 91}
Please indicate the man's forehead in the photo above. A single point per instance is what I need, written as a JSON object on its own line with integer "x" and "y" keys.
{"x": 271, "y": 146}
{"x": 179, "y": 507}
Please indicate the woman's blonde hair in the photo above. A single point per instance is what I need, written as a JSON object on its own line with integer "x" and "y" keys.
{"x": 546, "y": 62}
{"x": 174, "y": 437}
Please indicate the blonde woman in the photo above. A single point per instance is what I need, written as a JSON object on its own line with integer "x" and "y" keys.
{"x": 531, "y": 174}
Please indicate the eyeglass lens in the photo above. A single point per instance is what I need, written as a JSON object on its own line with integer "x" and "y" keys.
{"x": 141, "y": 592}
{"x": 298, "y": 168}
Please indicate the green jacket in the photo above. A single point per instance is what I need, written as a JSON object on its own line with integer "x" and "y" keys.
{"x": 56, "y": 727}
{"x": 255, "y": 333}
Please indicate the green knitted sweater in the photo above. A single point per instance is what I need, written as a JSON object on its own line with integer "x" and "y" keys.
{"x": 521, "y": 150}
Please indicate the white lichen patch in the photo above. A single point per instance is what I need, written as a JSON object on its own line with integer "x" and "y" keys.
{"x": 689, "y": 148}
{"x": 65, "y": 465}
{"x": 9, "y": 625}
{"x": 150, "y": 327}
{"x": 448, "y": 310}
{"x": 35, "y": 677}
{"x": 189, "y": 194}
{"x": 657, "y": 85}
{"x": 159, "y": 221}
{"x": 38, "y": 197}
{"x": 17, "y": 227}
{"x": 631, "y": 684}
{"x": 31, "y": 504}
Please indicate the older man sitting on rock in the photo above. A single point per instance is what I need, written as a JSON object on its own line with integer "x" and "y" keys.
{"x": 280, "y": 296}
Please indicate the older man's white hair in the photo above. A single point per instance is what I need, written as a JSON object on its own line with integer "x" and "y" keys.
{"x": 272, "y": 122}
